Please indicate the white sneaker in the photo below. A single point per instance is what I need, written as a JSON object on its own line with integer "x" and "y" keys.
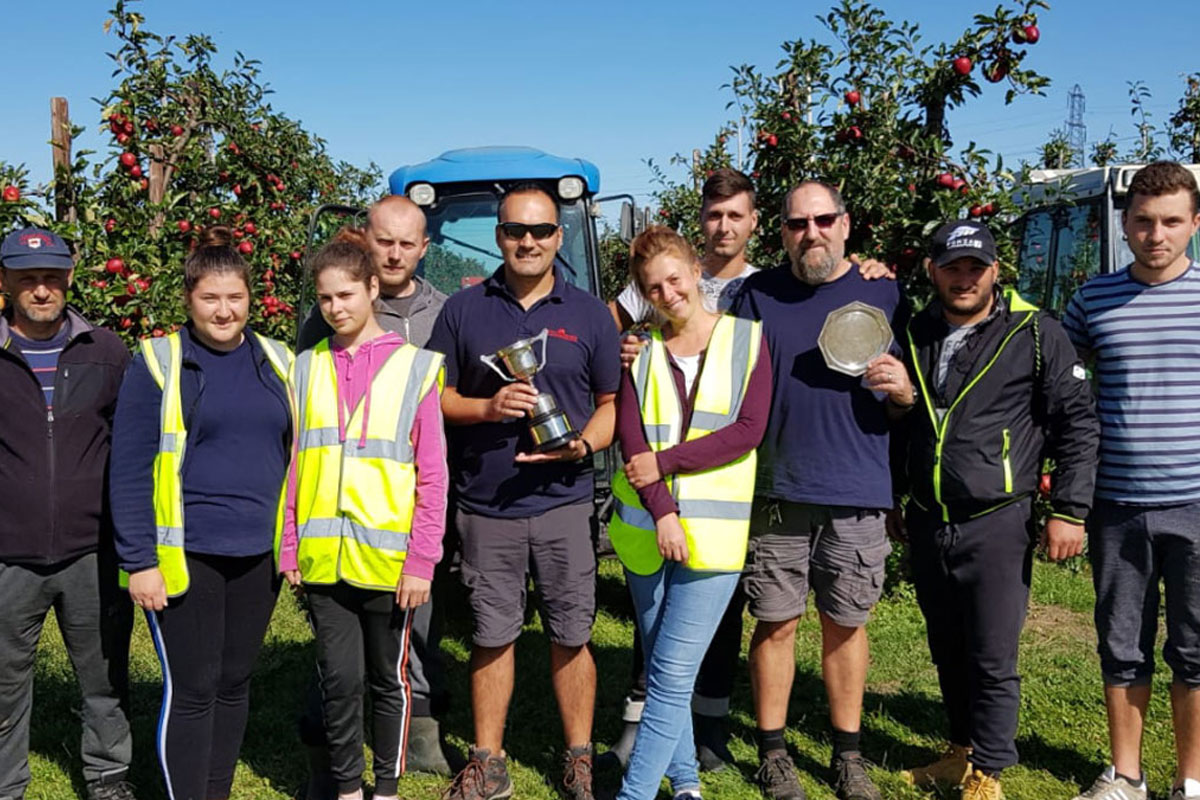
{"x": 1110, "y": 787}
{"x": 1189, "y": 791}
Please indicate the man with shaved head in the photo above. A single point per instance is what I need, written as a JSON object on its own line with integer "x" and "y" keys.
{"x": 408, "y": 305}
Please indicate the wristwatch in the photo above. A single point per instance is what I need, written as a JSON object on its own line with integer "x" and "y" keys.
{"x": 588, "y": 447}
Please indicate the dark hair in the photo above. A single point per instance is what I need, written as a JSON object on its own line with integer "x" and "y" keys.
{"x": 1165, "y": 177}
{"x": 348, "y": 252}
{"x": 655, "y": 241}
{"x": 527, "y": 187}
{"x": 214, "y": 255}
{"x": 834, "y": 195}
{"x": 725, "y": 183}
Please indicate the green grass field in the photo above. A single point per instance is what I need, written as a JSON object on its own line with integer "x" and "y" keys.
{"x": 1062, "y": 735}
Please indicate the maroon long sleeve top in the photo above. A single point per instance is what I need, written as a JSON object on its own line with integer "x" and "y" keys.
{"x": 720, "y": 447}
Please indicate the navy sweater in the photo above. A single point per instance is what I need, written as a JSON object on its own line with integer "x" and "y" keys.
{"x": 235, "y": 409}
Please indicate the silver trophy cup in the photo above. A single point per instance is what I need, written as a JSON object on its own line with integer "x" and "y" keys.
{"x": 548, "y": 424}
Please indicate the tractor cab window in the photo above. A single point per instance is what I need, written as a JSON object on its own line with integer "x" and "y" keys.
{"x": 1061, "y": 248}
{"x": 462, "y": 242}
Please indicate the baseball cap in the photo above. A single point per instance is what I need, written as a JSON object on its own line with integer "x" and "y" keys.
{"x": 962, "y": 239}
{"x": 34, "y": 248}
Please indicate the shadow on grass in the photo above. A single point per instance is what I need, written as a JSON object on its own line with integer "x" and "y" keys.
{"x": 1070, "y": 766}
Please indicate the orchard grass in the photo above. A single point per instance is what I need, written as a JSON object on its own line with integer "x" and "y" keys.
{"x": 1062, "y": 735}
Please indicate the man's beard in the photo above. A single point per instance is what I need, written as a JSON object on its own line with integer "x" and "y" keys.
{"x": 985, "y": 298}
{"x": 816, "y": 273}
{"x": 43, "y": 314}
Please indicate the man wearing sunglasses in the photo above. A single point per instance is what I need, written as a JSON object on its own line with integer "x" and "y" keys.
{"x": 518, "y": 511}
{"x": 823, "y": 487}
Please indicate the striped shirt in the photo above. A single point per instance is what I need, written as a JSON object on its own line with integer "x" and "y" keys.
{"x": 1146, "y": 343}
{"x": 42, "y": 358}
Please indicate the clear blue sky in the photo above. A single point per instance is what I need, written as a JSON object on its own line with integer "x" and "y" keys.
{"x": 615, "y": 82}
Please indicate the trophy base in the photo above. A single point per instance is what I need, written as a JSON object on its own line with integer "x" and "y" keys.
{"x": 551, "y": 431}
{"x": 554, "y": 444}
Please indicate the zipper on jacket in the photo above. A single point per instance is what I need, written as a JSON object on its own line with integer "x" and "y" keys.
{"x": 53, "y": 479}
{"x": 940, "y": 427}
{"x": 1007, "y": 464}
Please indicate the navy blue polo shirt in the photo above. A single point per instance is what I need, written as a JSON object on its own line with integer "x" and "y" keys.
{"x": 582, "y": 360}
{"x": 827, "y": 437}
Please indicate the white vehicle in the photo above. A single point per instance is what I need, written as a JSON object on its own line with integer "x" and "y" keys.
{"x": 1073, "y": 230}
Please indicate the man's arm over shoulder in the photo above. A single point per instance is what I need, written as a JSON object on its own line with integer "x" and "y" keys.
{"x": 744, "y": 304}
{"x": 1072, "y": 427}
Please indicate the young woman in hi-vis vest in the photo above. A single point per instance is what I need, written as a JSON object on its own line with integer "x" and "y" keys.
{"x": 364, "y": 511}
{"x": 201, "y": 441}
{"x": 691, "y": 411}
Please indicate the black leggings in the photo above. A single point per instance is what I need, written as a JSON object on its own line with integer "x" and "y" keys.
{"x": 207, "y": 641}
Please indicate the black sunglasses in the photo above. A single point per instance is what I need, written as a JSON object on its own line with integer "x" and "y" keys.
{"x": 823, "y": 221}
{"x": 517, "y": 230}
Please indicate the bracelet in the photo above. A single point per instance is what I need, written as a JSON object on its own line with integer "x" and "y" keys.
{"x": 588, "y": 447}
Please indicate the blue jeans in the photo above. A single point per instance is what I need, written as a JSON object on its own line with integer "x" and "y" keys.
{"x": 678, "y": 611}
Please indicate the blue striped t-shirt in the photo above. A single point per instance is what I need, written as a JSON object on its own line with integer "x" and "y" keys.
{"x": 42, "y": 358}
{"x": 1146, "y": 342}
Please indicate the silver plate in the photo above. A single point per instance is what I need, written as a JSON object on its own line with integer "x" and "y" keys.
{"x": 853, "y": 336}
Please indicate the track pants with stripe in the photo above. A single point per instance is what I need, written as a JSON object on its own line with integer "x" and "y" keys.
{"x": 208, "y": 640}
{"x": 362, "y": 643}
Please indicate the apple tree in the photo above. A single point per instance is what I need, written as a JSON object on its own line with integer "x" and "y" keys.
{"x": 189, "y": 146}
{"x": 866, "y": 108}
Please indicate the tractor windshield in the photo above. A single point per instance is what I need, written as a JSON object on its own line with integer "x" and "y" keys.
{"x": 462, "y": 242}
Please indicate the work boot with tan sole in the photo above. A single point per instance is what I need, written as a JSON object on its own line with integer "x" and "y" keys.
{"x": 980, "y": 786}
{"x": 951, "y": 770}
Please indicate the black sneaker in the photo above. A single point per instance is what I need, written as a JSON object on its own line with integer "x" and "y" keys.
{"x": 577, "y": 773}
{"x": 485, "y": 777}
{"x": 776, "y": 777}
{"x": 851, "y": 781}
{"x": 712, "y": 742}
{"x": 119, "y": 789}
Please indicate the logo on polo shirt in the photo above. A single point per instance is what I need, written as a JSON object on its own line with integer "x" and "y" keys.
{"x": 561, "y": 333}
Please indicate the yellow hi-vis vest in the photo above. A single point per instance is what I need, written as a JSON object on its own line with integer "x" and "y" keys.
{"x": 354, "y": 505}
{"x": 714, "y": 505}
{"x": 164, "y": 360}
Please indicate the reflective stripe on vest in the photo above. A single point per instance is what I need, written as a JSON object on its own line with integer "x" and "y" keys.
{"x": 354, "y": 504}
{"x": 714, "y": 505}
{"x": 164, "y": 360}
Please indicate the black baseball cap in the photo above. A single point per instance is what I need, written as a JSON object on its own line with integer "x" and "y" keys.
{"x": 34, "y": 248}
{"x": 962, "y": 238}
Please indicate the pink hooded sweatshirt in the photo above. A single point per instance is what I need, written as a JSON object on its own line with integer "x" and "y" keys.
{"x": 354, "y": 376}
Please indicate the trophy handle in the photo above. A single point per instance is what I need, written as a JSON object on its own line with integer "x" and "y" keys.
{"x": 543, "y": 337}
{"x": 490, "y": 360}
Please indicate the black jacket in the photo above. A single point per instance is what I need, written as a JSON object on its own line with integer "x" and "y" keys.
{"x": 53, "y": 467}
{"x": 1015, "y": 394}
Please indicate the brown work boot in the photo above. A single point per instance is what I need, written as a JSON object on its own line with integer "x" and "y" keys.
{"x": 950, "y": 770}
{"x": 485, "y": 777}
{"x": 577, "y": 772}
{"x": 979, "y": 786}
